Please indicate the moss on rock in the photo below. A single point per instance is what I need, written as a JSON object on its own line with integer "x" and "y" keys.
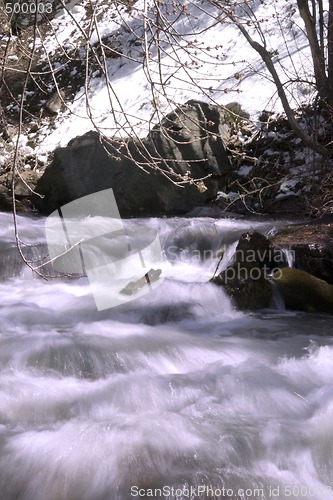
{"x": 304, "y": 292}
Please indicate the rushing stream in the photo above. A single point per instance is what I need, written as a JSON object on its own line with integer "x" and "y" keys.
{"x": 174, "y": 395}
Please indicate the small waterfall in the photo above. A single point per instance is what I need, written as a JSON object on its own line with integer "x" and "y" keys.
{"x": 12, "y": 264}
{"x": 290, "y": 256}
{"x": 277, "y": 301}
{"x": 33, "y": 246}
{"x": 10, "y": 261}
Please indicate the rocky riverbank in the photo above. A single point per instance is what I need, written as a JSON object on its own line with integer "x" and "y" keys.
{"x": 199, "y": 155}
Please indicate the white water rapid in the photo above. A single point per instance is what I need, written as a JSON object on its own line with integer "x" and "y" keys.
{"x": 175, "y": 395}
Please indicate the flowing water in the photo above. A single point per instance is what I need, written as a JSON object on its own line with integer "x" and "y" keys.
{"x": 175, "y": 395}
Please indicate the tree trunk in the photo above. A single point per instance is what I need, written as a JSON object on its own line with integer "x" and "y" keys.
{"x": 266, "y": 57}
{"x": 316, "y": 52}
{"x": 330, "y": 55}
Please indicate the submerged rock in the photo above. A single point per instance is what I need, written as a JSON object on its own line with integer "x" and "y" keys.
{"x": 302, "y": 291}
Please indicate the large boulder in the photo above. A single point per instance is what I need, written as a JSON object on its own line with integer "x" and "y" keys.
{"x": 247, "y": 279}
{"x": 187, "y": 143}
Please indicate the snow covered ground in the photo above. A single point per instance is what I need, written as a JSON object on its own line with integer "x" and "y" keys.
{"x": 200, "y": 56}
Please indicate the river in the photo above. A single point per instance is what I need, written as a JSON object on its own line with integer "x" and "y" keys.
{"x": 175, "y": 395}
